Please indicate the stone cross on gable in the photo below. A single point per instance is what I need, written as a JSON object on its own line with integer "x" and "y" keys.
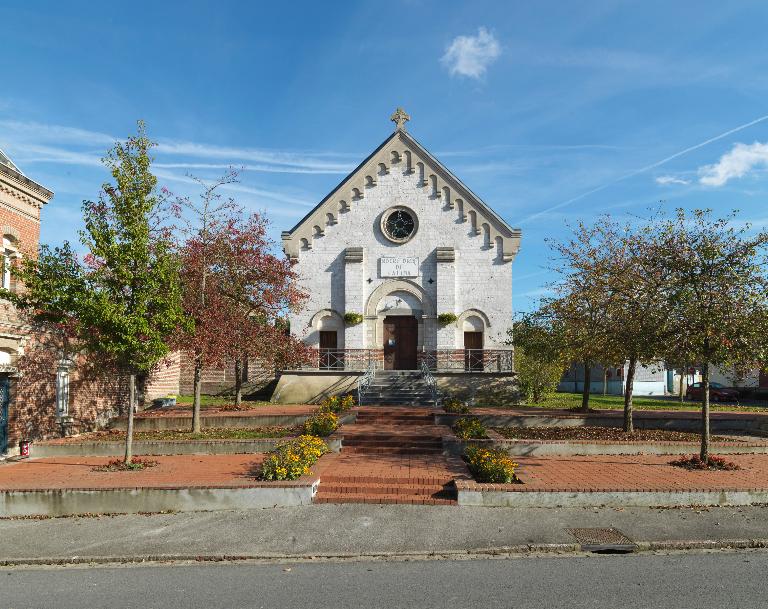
{"x": 400, "y": 118}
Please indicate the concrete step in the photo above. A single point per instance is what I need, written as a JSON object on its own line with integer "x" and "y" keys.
{"x": 391, "y": 450}
{"x": 428, "y": 490}
{"x": 427, "y": 444}
{"x": 390, "y": 499}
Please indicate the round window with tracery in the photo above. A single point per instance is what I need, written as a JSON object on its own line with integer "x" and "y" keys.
{"x": 399, "y": 224}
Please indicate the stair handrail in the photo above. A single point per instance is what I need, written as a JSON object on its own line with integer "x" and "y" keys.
{"x": 431, "y": 382}
{"x": 364, "y": 381}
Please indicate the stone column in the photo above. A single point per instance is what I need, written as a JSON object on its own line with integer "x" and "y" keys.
{"x": 446, "y": 295}
{"x": 354, "y": 295}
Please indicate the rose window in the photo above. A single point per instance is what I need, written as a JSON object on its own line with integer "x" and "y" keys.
{"x": 399, "y": 225}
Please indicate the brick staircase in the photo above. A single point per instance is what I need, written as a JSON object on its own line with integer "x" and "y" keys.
{"x": 390, "y": 455}
{"x": 398, "y": 387}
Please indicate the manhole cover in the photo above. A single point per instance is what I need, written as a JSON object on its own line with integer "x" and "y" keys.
{"x": 603, "y": 540}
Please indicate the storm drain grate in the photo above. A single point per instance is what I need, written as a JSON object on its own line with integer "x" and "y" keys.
{"x": 603, "y": 540}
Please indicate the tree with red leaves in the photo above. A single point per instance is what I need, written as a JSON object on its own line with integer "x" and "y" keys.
{"x": 260, "y": 289}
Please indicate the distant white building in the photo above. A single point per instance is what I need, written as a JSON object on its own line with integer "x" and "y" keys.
{"x": 650, "y": 379}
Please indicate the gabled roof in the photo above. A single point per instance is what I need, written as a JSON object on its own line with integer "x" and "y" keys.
{"x": 4, "y": 160}
{"x": 26, "y": 189}
{"x": 402, "y": 150}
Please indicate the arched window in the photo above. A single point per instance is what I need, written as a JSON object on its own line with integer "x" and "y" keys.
{"x": 9, "y": 254}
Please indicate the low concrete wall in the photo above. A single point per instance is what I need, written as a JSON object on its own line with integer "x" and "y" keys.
{"x": 754, "y": 425}
{"x": 477, "y": 496}
{"x": 66, "y": 502}
{"x": 313, "y": 386}
{"x": 165, "y": 447}
{"x": 185, "y": 422}
{"x": 539, "y": 448}
{"x": 487, "y": 387}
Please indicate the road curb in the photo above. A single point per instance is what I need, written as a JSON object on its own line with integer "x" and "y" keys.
{"x": 478, "y": 553}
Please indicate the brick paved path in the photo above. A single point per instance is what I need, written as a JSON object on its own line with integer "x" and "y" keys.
{"x": 180, "y": 471}
{"x": 635, "y": 473}
{"x": 390, "y": 455}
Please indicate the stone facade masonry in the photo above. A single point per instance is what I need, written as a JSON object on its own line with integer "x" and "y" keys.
{"x": 463, "y": 269}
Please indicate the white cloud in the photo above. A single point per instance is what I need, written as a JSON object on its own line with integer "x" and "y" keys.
{"x": 471, "y": 55}
{"x": 669, "y": 180}
{"x": 37, "y": 142}
{"x": 737, "y": 163}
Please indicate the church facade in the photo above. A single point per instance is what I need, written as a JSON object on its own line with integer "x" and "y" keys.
{"x": 404, "y": 264}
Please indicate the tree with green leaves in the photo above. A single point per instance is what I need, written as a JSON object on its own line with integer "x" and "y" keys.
{"x": 540, "y": 355}
{"x": 638, "y": 311}
{"x": 718, "y": 295}
{"x": 583, "y": 301}
{"x": 122, "y": 302}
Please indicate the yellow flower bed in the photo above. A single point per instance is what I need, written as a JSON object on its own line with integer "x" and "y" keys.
{"x": 469, "y": 428}
{"x": 491, "y": 465}
{"x": 321, "y": 424}
{"x": 337, "y": 404}
{"x": 291, "y": 460}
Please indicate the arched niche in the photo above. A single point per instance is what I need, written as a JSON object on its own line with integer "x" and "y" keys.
{"x": 473, "y": 313}
{"x": 399, "y": 285}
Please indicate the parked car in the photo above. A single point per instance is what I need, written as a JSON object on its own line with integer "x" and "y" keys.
{"x": 717, "y": 392}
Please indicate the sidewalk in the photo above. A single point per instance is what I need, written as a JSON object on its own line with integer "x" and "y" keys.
{"x": 354, "y": 530}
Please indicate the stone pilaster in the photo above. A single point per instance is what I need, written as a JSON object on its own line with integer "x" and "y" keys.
{"x": 354, "y": 295}
{"x": 446, "y": 295}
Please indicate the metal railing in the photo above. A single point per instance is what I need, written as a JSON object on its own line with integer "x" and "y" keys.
{"x": 347, "y": 359}
{"x": 468, "y": 360}
{"x": 437, "y": 360}
{"x": 429, "y": 379}
{"x": 364, "y": 381}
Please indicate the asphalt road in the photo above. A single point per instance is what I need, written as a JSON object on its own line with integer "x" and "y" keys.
{"x": 675, "y": 581}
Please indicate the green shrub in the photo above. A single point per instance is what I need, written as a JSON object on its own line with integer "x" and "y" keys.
{"x": 321, "y": 424}
{"x": 352, "y": 319}
{"x": 469, "y": 428}
{"x": 291, "y": 460}
{"x": 491, "y": 465}
{"x": 337, "y": 404}
{"x": 445, "y": 319}
{"x": 455, "y": 405}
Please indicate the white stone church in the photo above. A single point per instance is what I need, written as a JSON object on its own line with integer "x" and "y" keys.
{"x": 403, "y": 264}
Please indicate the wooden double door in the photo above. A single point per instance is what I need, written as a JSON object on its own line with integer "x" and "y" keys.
{"x": 473, "y": 351}
{"x": 401, "y": 335}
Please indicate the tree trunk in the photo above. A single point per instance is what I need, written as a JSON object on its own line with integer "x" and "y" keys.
{"x": 705, "y": 412}
{"x": 587, "y": 383}
{"x": 196, "y": 400}
{"x": 629, "y": 425}
{"x": 129, "y": 430}
{"x": 605, "y": 381}
{"x": 682, "y": 380}
{"x": 238, "y": 382}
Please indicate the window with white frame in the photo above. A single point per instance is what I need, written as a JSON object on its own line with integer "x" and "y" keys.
{"x": 62, "y": 390}
{"x": 9, "y": 253}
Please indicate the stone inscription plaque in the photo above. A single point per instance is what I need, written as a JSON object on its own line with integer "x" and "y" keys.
{"x": 399, "y": 266}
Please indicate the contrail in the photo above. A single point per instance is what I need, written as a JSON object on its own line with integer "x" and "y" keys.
{"x": 643, "y": 169}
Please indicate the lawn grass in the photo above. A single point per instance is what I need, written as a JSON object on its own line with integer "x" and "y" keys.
{"x": 217, "y": 401}
{"x": 566, "y": 401}
{"x": 213, "y": 433}
{"x": 602, "y": 434}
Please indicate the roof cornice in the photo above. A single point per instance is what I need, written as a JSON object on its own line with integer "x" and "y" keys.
{"x": 403, "y": 150}
{"x": 30, "y": 187}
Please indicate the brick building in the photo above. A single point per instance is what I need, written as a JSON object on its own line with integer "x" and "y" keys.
{"x": 44, "y": 392}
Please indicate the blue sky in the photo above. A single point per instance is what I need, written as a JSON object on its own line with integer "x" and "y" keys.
{"x": 550, "y": 111}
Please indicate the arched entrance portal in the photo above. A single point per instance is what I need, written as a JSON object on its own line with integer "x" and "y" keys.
{"x": 398, "y": 314}
{"x": 401, "y": 335}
